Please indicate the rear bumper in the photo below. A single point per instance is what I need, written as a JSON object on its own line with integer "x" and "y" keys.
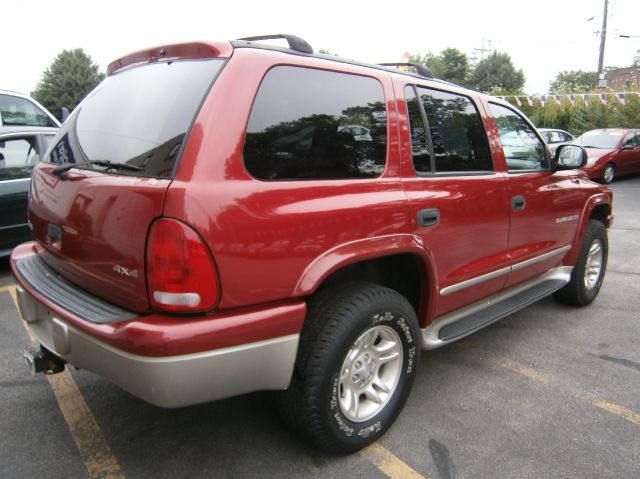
{"x": 243, "y": 355}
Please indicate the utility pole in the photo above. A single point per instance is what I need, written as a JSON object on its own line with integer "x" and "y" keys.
{"x": 483, "y": 49}
{"x": 603, "y": 37}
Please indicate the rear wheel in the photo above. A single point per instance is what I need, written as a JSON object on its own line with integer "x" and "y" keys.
{"x": 608, "y": 173}
{"x": 588, "y": 274}
{"x": 356, "y": 364}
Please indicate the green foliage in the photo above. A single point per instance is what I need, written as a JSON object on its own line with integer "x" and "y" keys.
{"x": 583, "y": 116}
{"x": 69, "y": 78}
{"x": 574, "y": 81}
{"x": 496, "y": 73}
{"x": 450, "y": 64}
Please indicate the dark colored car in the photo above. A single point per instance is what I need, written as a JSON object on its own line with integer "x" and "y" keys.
{"x": 612, "y": 152}
{"x": 20, "y": 149}
{"x": 210, "y": 222}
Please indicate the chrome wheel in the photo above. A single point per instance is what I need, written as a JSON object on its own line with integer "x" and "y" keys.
{"x": 593, "y": 264}
{"x": 370, "y": 373}
{"x": 608, "y": 173}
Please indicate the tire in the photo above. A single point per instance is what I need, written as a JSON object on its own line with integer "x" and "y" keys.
{"x": 588, "y": 273}
{"x": 608, "y": 173}
{"x": 360, "y": 343}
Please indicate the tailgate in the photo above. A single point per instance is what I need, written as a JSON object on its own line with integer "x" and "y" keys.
{"x": 94, "y": 228}
{"x": 102, "y": 183}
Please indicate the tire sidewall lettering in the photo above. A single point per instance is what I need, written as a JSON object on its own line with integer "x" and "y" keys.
{"x": 376, "y": 425}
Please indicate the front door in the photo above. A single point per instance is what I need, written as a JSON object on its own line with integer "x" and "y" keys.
{"x": 545, "y": 207}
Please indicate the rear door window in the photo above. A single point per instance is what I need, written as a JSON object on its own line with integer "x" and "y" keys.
{"x": 309, "y": 124}
{"x": 454, "y": 139}
{"x": 139, "y": 116}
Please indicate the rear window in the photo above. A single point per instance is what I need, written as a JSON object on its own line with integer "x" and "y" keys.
{"x": 18, "y": 111}
{"x": 309, "y": 124}
{"x": 139, "y": 117}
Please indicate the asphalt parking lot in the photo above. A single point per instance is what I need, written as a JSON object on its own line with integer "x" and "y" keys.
{"x": 551, "y": 391}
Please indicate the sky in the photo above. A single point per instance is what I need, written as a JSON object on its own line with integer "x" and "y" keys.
{"x": 542, "y": 37}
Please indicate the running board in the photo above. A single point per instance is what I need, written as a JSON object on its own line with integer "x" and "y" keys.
{"x": 469, "y": 319}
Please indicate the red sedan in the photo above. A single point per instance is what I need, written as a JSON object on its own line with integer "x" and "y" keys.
{"x": 612, "y": 152}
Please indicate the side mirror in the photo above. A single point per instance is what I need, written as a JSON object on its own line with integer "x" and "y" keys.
{"x": 569, "y": 157}
{"x": 627, "y": 147}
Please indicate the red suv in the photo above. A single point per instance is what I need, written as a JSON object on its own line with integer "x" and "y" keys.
{"x": 220, "y": 218}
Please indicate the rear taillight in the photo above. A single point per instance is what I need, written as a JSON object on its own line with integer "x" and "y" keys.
{"x": 181, "y": 275}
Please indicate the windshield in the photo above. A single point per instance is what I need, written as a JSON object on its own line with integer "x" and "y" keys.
{"x": 599, "y": 139}
{"x": 138, "y": 117}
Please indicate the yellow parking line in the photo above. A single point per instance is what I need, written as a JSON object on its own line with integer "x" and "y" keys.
{"x": 389, "y": 463}
{"x": 621, "y": 411}
{"x": 94, "y": 449}
{"x": 531, "y": 373}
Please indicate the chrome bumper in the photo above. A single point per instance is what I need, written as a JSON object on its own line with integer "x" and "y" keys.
{"x": 172, "y": 381}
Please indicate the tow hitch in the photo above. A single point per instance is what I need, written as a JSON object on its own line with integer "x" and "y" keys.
{"x": 43, "y": 362}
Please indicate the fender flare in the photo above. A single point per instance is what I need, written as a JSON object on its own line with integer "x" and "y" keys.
{"x": 371, "y": 248}
{"x": 594, "y": 201}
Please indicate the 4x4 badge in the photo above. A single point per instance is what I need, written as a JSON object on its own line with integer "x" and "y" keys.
{"x": 132, "y": 273}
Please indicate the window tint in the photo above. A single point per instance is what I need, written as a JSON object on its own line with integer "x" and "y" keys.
{"x": 419, "y": 141}
{"x": 522, "y": 148}
{"x": 15, "y": 110}
{"x": 457, "y": 133}
{"x": 314, "y": 124}
{"x": 139, "y": 116}
{"x": 17, "y": 157}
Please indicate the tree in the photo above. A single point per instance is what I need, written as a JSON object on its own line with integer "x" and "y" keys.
{"x": 574, "y": 81}
{"x": 69, "y": 78}
{"x": 497, "y": 73}
{"x": 450, "y": 64}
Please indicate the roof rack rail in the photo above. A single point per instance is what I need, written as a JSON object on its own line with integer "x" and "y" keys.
{"x": 421, "y": 69}
{"x": 295, "y": 43}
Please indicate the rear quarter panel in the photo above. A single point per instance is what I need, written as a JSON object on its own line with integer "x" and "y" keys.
{"x": 265, "y": 234}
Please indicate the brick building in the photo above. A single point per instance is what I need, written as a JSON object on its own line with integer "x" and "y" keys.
{"x": 624, "y": 79}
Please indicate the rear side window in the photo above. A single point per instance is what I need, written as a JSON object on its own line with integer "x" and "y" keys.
{"x": 523, "y": 150}
{"x": 15, "y": 110}
{"x": 138, "y": 117}
{"x": 455, "y": 132}
{"x": 309, "y": 124}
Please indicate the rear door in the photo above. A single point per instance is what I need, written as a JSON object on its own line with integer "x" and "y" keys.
{"x": 459, "y": 203}
{"x": 545, "y": 207}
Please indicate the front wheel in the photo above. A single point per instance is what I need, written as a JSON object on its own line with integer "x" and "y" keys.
{"x": 608, "y": 173}
{"x": 356, "y": 364}
{"x": 588, "y": 274}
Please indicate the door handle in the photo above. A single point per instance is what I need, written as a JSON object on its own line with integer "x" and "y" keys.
{"x": 428, "y": 217}
{"x": 517, "y": 203}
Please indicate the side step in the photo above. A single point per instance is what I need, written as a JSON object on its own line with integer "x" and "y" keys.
{"x": 461, "y": 323}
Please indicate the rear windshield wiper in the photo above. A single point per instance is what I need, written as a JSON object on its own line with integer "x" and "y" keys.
{"x": 60, "y": 170}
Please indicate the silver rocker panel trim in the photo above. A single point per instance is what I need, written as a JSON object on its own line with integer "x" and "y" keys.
{"x": 430, "y": 339}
